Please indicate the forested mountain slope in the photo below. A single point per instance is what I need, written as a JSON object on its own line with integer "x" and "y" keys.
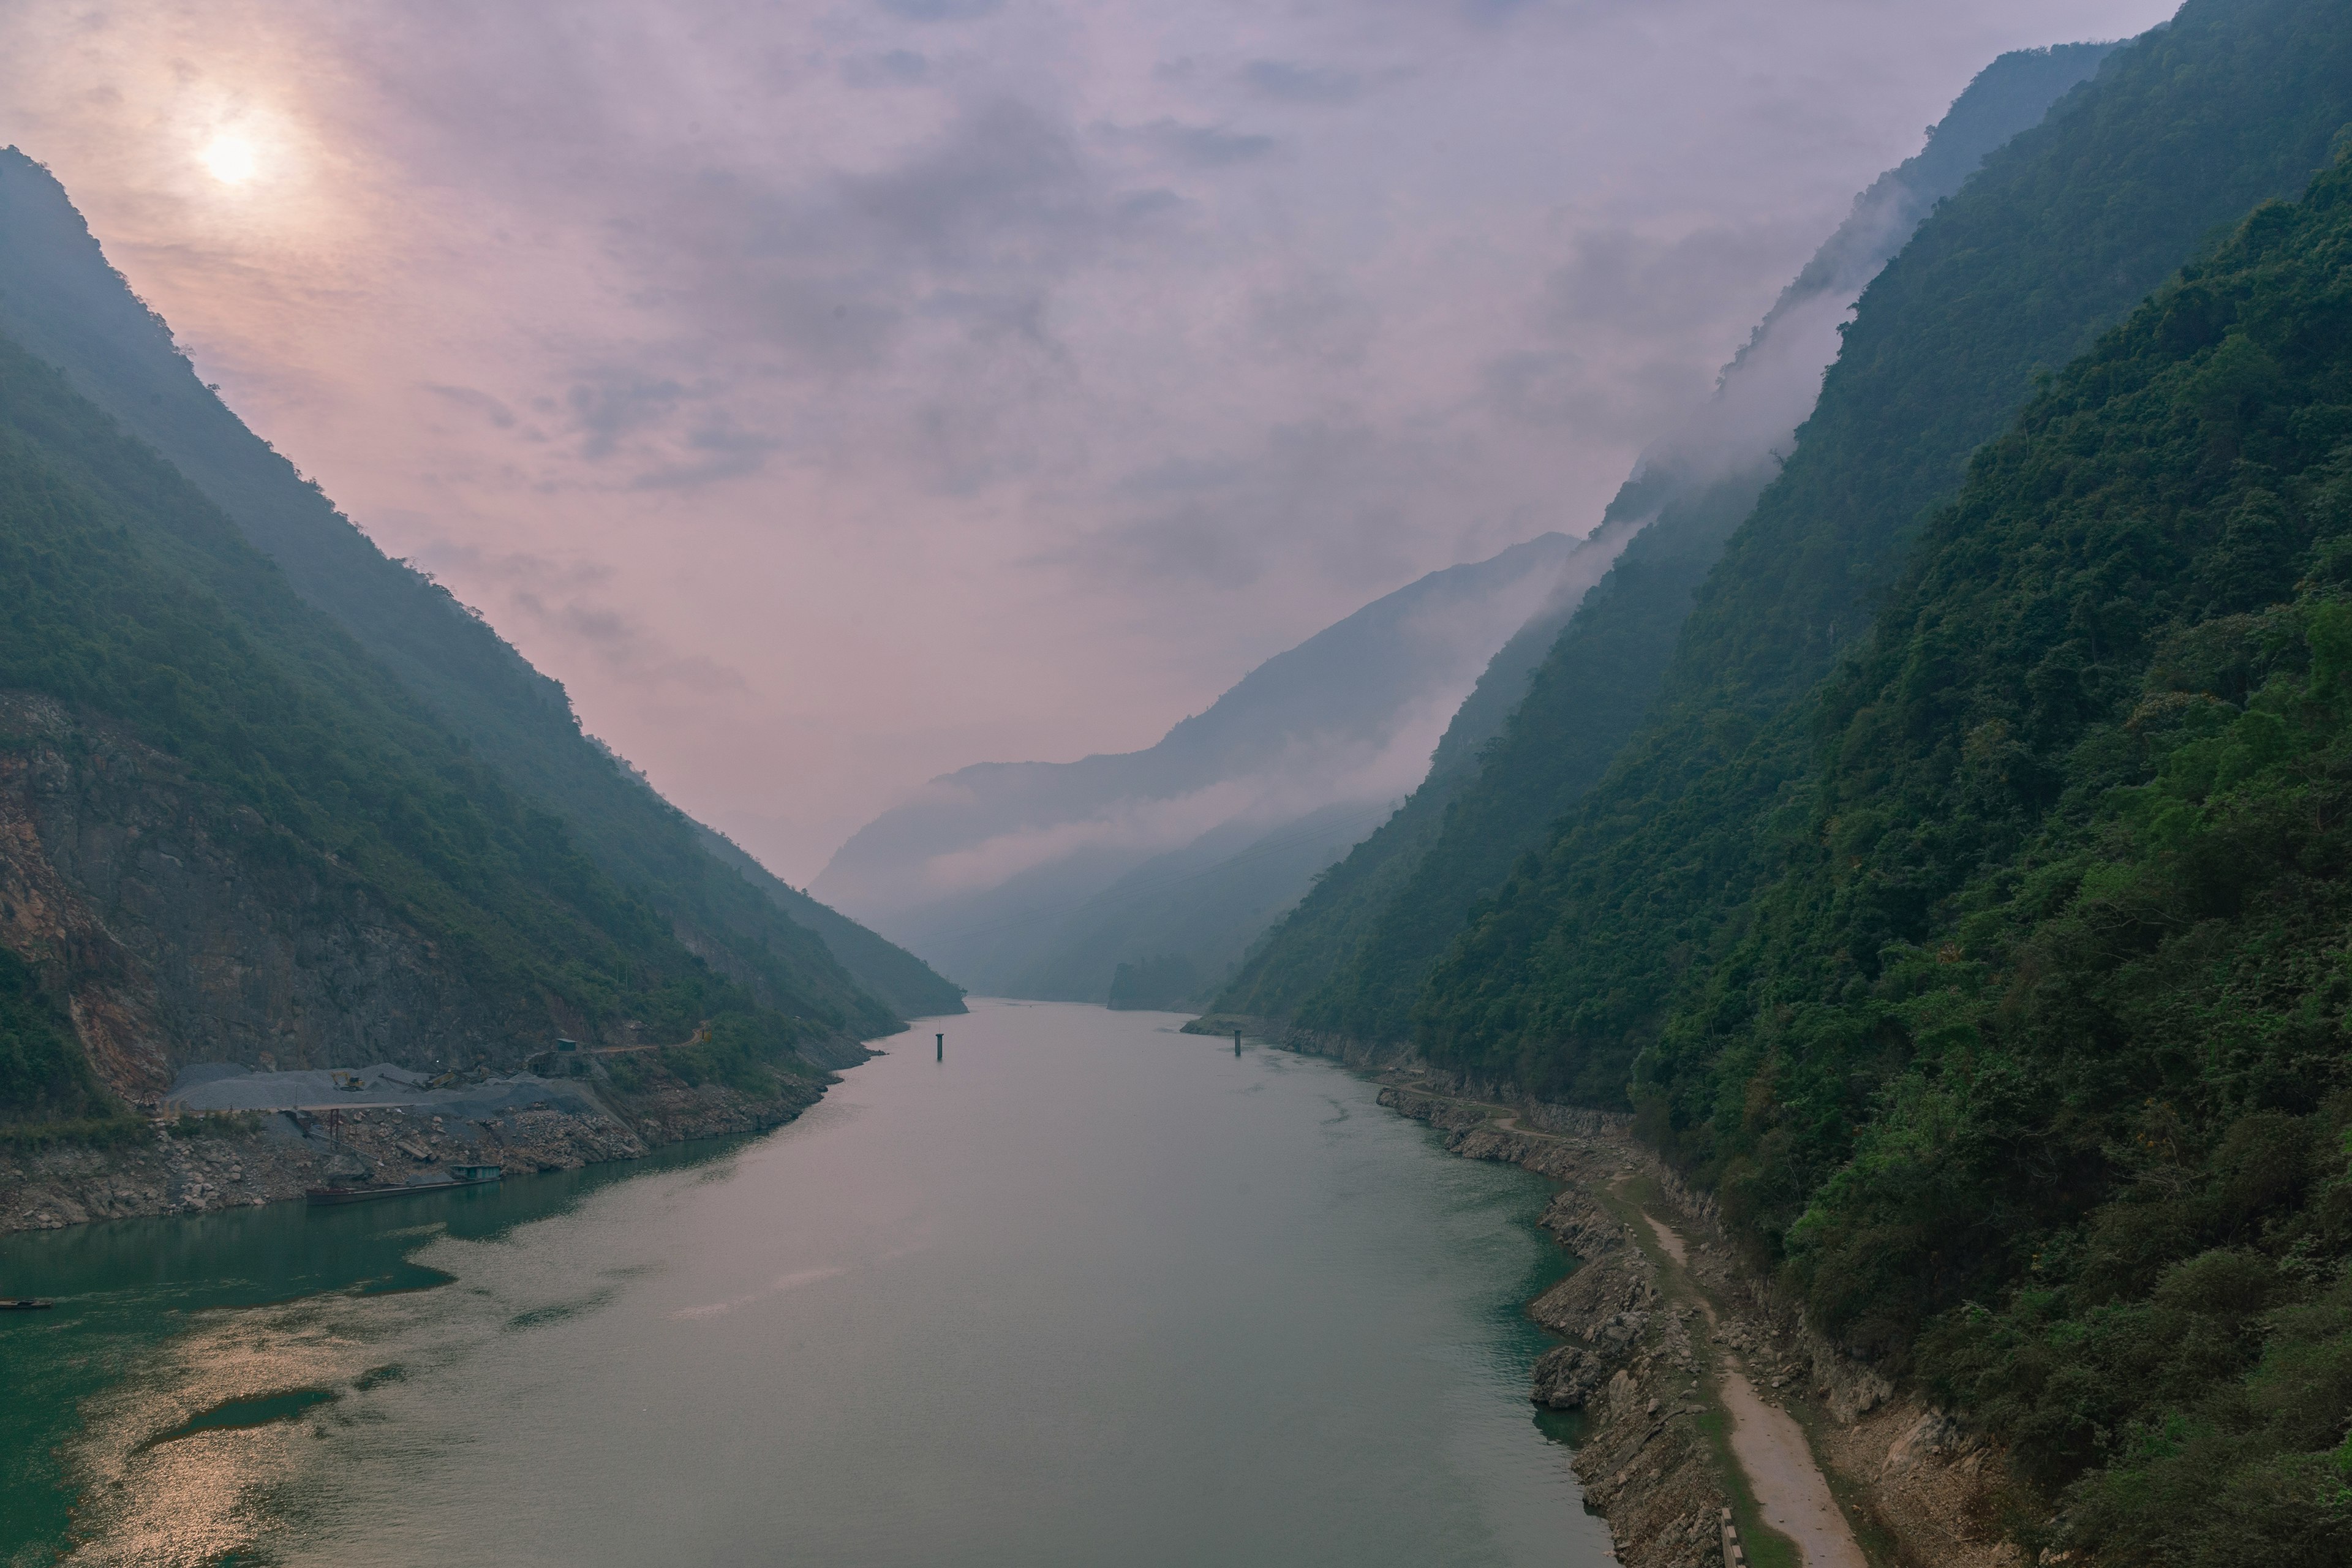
{"x": 1352, "y": 958}
{"x": 2034, "y": 1064}
{"x": 899, "y": 980}
{"x": 227, "y": 834}
{"x": 60, "y": 299}
{"x": 1316, "y": 935}
{"x": 1192, "y": 911}
{"x": 1566, "y": 976}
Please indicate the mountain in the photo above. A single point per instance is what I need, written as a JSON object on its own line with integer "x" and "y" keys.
{"x": 997, "y": 872}
{"x": 899, "y": 980}
{"x": 1968, "y": 917}
{"x": 61, "y": 301}
{"x": 1353, "y": 957}
{"x": 229, "y": 834}
{"x": 1192, "y": 911}
{"x": 1568, "y": 975}
{"x": 2031, "y": 1063}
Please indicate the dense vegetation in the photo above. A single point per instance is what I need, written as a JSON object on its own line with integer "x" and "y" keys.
{"x": 1998, "y": 982}
{"x": 1570, "y": 971}
{"x": 44, "y": 1076}
{"x": 1583, "y": 701}
{"x": 1971, "y": 912}
{"x": 1353, "y": 957}
{"x": 1162, "y": 982}
{"x": 131, "y": 597}
{"x": 64, "y": 304}
{"x": 2036, "y": 1054}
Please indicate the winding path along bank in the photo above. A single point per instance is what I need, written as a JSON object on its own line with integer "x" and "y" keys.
{"x": 1700, "y": 1390}
{"x": 1791, "y": 1494}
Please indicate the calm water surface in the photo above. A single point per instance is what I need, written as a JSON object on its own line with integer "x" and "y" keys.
{"x": 1089, "y": 1292}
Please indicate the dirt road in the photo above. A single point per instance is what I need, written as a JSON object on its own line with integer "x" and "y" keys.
{"x": 1772, "y": 1452}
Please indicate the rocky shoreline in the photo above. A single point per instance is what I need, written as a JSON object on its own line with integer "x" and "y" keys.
{"x": 1674, "y": 1355}
{"x": 194, "y": 1164}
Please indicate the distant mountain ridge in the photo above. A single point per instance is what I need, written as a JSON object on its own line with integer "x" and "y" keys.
{"x": 61, "y": 301}
{"x": 995, "y": 872}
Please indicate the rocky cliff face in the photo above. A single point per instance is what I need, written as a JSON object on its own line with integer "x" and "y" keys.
{"x": 183, "y": 930}
{"x": 180, "y": 927}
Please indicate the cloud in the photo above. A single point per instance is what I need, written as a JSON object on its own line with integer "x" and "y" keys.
{"x": 1631, "y": 281}
{"x": 476, "y": 402}
{"x": 628, "y": 651}
{"x": 571, "y": 597}
{"x": 1317, "y": 317}
{"x": 515, "y": 570}
{"x": 891, "y": 68}
{"x": 1196, "y": 146}
{"x": 1224, "y": 522}
{"x": 610, "y": 404}
{"x": 966, "y": 229}
{"x": 1597, "y": 395}
{"x": 940, "y": 10}
{"x": 716, "y": 449}
{"x": 1290, "y": 82}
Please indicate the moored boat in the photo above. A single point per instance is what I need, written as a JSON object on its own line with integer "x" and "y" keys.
{"x": 458, "y": 1177}
{"x": 361, "y": 1194}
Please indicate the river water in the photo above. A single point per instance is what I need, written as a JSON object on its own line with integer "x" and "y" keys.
{"x": 1088, "y": 1291}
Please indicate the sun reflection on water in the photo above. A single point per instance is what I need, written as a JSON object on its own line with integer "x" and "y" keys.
{"x": 163, "y": 1487}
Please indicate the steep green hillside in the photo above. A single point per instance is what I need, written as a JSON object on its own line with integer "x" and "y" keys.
{"x": 1582, "y": 700}
{"x": 132, "y": 598}
{"x": 2038, "y": 1044}
{"x": 45, "y": 1076}
{"x": 1298, "y": 955}
{"x": 1353, "y": 957}
{"x": 1566, "y": 976}
{"x": 63, "y": 302}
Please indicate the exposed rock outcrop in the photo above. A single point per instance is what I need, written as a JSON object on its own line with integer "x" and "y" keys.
{"x": 1635, "y": 1362}
{"x": 182, "y": 928}
{"x": 179, "y": 928}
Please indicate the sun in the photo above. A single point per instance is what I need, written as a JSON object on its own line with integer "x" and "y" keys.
{"x": 231, "y": 158}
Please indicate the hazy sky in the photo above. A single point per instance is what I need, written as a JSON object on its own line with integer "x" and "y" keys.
{"x": 834, "y": 394}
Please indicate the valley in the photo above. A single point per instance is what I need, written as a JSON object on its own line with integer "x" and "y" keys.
{"x": 1797, "y": 1010}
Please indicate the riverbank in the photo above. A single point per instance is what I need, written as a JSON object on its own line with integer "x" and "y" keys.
{"x": 1694, "y": 1389}
{"x": 193, "y": 1164}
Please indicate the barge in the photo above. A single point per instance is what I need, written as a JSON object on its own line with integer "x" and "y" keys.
{"x": 458, "y": 1177}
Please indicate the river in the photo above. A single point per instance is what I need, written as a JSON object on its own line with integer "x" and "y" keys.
{"x": 1088, "y": 1291}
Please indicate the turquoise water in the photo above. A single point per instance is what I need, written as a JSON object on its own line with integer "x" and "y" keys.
{"x": 1089, "y": 1290}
